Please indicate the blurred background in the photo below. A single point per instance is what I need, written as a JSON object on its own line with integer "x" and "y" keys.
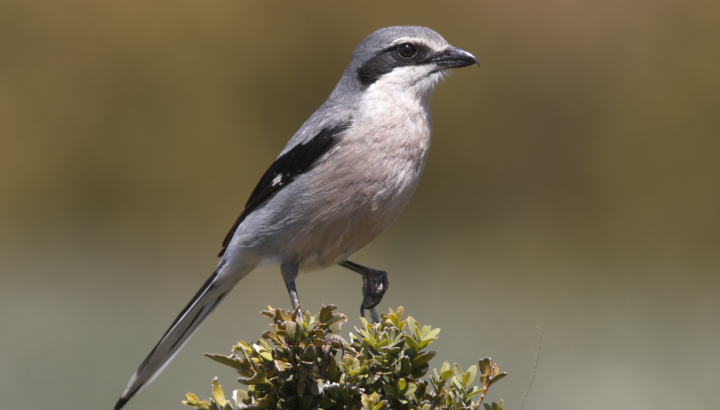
{"x": 573, "y": 184}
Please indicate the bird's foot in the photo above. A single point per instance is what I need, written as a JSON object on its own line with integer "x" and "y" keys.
{"x": 375, "y": 284}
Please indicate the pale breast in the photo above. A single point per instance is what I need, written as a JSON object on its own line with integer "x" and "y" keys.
{"x": 369, "y": 180}
{"x": 353, "y": 194}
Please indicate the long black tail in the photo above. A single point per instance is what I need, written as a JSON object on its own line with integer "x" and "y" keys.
{"x": 218, "y": 285}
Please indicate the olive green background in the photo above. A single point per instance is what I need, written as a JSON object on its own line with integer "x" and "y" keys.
{"x": 573, "y": 184}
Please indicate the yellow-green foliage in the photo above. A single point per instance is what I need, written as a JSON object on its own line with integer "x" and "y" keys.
{"x": 307, "y": 368}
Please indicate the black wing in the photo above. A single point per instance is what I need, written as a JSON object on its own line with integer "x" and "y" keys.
{"x": 285, "y": 169}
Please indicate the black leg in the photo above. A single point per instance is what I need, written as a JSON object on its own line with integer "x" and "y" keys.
{"x": 375, "y": 284}
{"x": 289, "y": 272}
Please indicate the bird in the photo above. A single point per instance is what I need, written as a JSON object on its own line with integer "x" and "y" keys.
{"x": 340, "y": 181}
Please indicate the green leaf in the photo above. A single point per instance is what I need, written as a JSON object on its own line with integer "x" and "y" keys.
{"x": 282, "y": 365}
{"x": 412, "y": 343}
{"x": 191, "y": 400}
{"x": 390, "y": 350}
{"x": 458, "y": 371}
{"x": 306, "y": 401}
{"x": 445, "y": 371}
{"x": 258, "y": 378}
{"x": 369, "y": 401}
{"x": 301, "y": 382}
{"x": 484, "y": 380}
{"x": 432, "y": 334}
{"x": 239, "y": 395}
{"x": 381, "y": 406}
{"x": 409, "y": 389}
{"x": 308, "y": 319}
{"x": 485, "y": 366}
{"x": 218, "y": 393}
{"x": 263, "y": 404}
{"x": 405, "y": 367}
{"x": 337, "y": 320}
{"x": 470, "y": 376}
{"x": 333, "y": 371}
{"x": 242, "y": 347}
{"x": 413, "y": 329}
{"x": 292, "y": 330}
{"x": 316, "y": 387}
{"x": 203, "y": 405}
{"x": 469, "y": 395}
{"x": 497, "y": 377}
{"x": 268, "y": 334}
{"x": 227, "y": 361}
{"x": 326, "y": 313}
{"x": 420, "y": 371}
{"x": 421, "y": 390}
{"x": 457, "y": 382}
{"x": 422, "y": 359}
{"x": 326, "y": 403}
{"x": 308, "y": 355}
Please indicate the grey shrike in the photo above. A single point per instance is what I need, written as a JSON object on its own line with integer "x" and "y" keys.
{"x": 341, "y": 180}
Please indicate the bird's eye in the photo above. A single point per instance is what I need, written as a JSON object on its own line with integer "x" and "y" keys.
{"x": 406, "y": 50}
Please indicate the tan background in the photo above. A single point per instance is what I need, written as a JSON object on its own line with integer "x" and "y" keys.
{"x": 573, "y": 184}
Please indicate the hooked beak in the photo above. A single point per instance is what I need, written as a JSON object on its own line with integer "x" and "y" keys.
{"x": 453, "y": 57}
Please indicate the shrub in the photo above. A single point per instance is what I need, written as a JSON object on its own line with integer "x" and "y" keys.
{"x": 380, "y": 369}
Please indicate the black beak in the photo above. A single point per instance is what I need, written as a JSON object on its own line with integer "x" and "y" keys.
{"x": 453, "y": 57}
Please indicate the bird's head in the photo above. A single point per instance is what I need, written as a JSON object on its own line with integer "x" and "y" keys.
{"x": 410, "y": 57}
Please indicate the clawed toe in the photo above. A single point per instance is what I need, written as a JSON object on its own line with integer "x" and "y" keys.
{"x": 373, "y": 313}
{"x": 375, "y": 284}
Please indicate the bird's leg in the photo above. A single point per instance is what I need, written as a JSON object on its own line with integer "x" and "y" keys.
{"x": 290, "y": 270}
{"x": 375, "y": 284}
